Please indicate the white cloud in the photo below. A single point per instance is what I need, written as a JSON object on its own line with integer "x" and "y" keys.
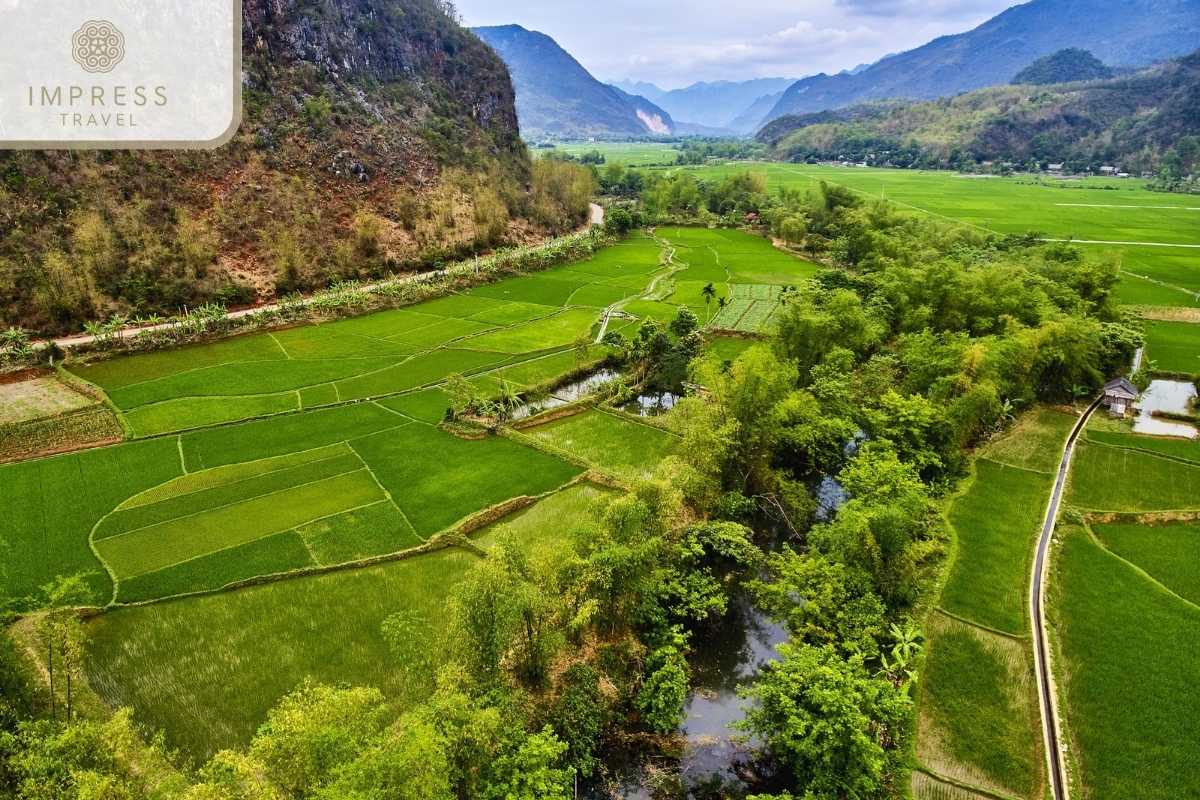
{"x": 801, "y": 49}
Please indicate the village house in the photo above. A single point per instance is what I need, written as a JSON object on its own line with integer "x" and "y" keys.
{"x": 1119, "y": 396}
{"x": 1056, "y": 169}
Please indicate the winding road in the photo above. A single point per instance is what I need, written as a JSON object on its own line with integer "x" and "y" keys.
{"x": 1047, "y": 691}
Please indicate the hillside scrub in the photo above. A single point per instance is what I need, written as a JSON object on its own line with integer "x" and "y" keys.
{"x": 375, "y": 138}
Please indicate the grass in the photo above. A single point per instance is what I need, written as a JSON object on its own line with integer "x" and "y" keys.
{"x": 236, "y": 380}
{"x": 610, "y": 443}
{"x": 205, "y": 671}
{"x": 219, "y": 495}
{"x": 1035, "y": 442}
{"x": 1115, "y": 479}
{"x": 429, "y": 405}
{"x": 270, "y": 556}
{"x": 372, "y": 531}
{"x": 558, "y": 330}
{"x": 547, "y": 522}
{"x": 977, "y": 706}
{"x": 184, "y": 538}
{"x": 997, "y": 521}
{"x": 52, "y": 505}
{"x": 294, "y": 433}
{"x": 438, "y": 479}
{"x": 1178, "y": 448}
{"x": 1131, "y": 651}
{"x": 171, "y": 416}
{"x": 1174, "y": 346}
{"x": 1170, "y": 553}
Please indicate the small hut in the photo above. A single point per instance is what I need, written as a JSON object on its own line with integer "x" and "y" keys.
{"x": 1119, "y": 396}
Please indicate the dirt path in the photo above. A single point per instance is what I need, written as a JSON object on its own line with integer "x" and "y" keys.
{"x": 1047, "y": 691}
{"x": 597, "y": 214}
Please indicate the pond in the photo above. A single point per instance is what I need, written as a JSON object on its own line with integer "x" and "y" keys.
{"x": 568, "y": 393}
{"x": 652, "y": 404}
{"x": 1172, "y": 397}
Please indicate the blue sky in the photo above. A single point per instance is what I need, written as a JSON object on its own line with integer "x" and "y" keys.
{"x": 674, "y": 43}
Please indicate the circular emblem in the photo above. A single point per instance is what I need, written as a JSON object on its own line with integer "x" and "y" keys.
{"x": 98, "y": 46}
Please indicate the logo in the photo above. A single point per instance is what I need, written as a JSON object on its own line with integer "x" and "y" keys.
{"x": 98, "y": 46}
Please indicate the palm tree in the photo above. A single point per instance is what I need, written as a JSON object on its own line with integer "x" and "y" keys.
{"x": 709, "y": 293}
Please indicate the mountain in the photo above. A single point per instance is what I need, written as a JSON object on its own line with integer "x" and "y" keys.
{"x": 1065, "y": 66}
{"x": 557, "y": 96}
{"x": 752, "y": 117}
{"x": 647, "y": 90}
{"x": 717, "y": 105}
{"x": 1126, "y": 121}
{"x": 1118, "y": 32}
{"x": 658, "y": 121}
{"x": 357, "y": 115}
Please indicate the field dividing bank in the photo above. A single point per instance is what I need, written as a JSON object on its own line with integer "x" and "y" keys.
{"x": 979, "y": 723}
{"x": 1128, "y": 623}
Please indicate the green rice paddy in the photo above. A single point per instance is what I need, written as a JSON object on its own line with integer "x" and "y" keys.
{"x": 978, "y": 707}
{"x": 1105, "y": 478}
{"x": 1131, "y": 649}
{"x": 997, "y": 521}
{"x": 610, "y": 443}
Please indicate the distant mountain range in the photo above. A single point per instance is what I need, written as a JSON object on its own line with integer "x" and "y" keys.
{"x": 1120, "y": 33}
{"x": 1124, "y": 121}
{"x": 733, "y": 107}
{"x": 556, "y": 96}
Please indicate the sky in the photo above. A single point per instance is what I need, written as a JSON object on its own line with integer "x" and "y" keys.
{"x": 674, "y": 43}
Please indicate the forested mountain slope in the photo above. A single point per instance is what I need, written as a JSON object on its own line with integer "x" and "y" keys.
{"x": 1129, "y": 122}
{"x": 1130, "y": 33}
{"x": 373, "y": 133}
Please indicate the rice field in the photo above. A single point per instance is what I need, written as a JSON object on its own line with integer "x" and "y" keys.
{"x": 997, "y": 521}
{"x": 1174, "y": 346}
{"x": 206, "y": 670}
{"x": 612, "y": 444}
{"x": 378, "y": 356}
{"x": 978, "y": 709}
{"x": 1167, "y": 552}
{"x": 1106, "y": 478}
{"x": 978, "y": 723}
{"x": 1091, "y": 210}
{"x": 1130, "y": 650}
